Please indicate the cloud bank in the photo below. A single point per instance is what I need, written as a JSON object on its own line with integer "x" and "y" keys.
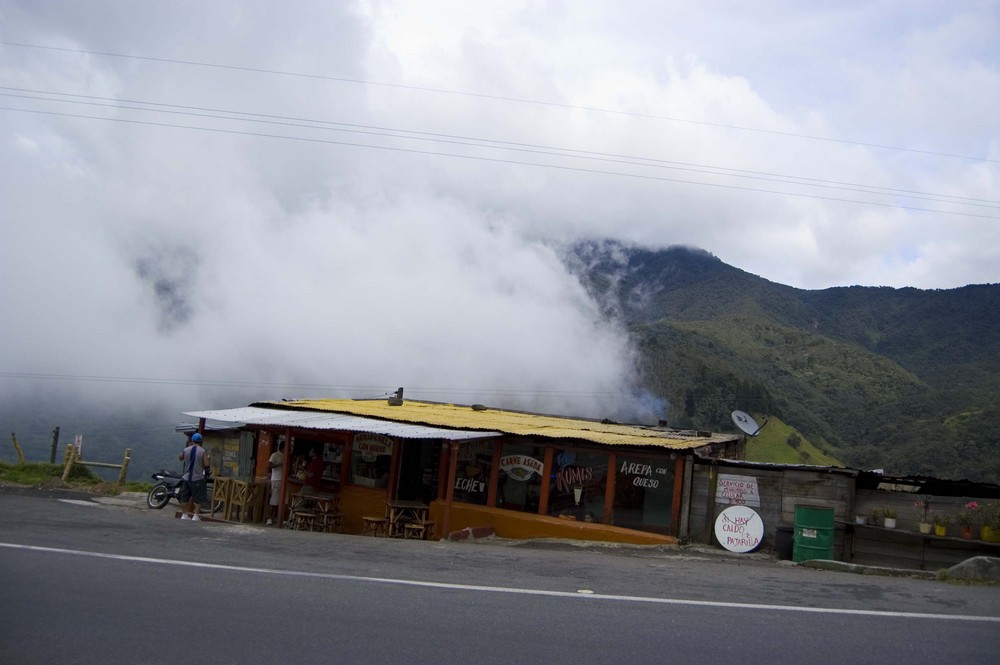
{"x": 266, "y": 201}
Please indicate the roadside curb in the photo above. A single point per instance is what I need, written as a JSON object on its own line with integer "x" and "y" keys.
{"x": 858, "y": 569}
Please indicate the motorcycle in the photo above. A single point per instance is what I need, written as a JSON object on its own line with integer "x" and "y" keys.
{"x": 167, "y": 487}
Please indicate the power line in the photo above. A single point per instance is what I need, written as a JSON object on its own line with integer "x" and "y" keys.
{"x": 502, "y": 98}
{"x": 366, "y": 389}
{"x": 498, "y": 144}
{"x": 499, "y": 161}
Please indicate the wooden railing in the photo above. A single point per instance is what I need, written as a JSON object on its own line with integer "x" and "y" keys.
{"x": 71, "y": 459}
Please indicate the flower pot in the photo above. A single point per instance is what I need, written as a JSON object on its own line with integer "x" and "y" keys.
{"x": 859, "y": 519}
{"x": 940, "y": 530}
{"x": 890, "y": 523}
{"x": 925, "y": 527}
{"x": 965, "y": 531}
{"x": 989, "y": 534}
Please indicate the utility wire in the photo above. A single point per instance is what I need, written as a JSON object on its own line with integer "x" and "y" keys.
{"x": 498, "y": 160}
{"x": 392, "y": 132}
{"x": 210, "y": 383}
{"x": 502, "y": 98}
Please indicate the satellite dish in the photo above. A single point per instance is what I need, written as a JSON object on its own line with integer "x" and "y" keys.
{"x": 746, "y": 423}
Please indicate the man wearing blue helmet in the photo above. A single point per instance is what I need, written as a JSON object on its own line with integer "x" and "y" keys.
{"x": 194, "y": 486}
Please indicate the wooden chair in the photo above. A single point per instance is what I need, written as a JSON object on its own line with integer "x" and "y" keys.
{"x": 417, "y": 530}
{"x": 375, "y": 526}
{"x": 242, "y": 501}
{"x": 222, "y": 491}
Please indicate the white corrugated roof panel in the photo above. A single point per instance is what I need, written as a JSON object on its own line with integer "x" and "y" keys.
{"x": 254, "y": 415}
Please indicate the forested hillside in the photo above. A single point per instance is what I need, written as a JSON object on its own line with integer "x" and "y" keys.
{"x": 901, "y": 379}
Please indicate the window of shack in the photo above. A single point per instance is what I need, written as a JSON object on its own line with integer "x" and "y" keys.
{"x": 577, "y": 484}
{"x": 520, "y": 479}
{"x": 472, "y": 474}
{"x": 644, "y": 488}
{"x": 371, "y": 457}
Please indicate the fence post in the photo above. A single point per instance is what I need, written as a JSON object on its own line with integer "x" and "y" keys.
{"x": 55, "y": 444}
{"x": 70, "y": 455}
{"x": 20, "y": 454}
{"x": 121, "y": 474}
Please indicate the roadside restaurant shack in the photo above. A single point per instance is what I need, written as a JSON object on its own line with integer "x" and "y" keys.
{"x": 443, "y": 468}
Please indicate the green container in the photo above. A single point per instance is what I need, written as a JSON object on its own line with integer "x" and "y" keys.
{"x": 813, "y": 537}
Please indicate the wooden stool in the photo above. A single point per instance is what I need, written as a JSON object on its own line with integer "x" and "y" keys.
{"x": 417, "y": 530}
{"x": 302, "y": 520}
{"x": 375, "y": 526}
{"x": 329, "y": 522}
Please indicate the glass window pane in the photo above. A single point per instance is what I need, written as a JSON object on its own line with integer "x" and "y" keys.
{"x": 577, "y": 484}
{"x": 520, "y": 484}
{"x": 644, "y": 489}
{"x": 371, "y": 455}
{"x": 472, "y": 474}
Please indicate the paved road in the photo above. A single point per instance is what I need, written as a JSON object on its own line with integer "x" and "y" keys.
{"x": 87, "y": 583}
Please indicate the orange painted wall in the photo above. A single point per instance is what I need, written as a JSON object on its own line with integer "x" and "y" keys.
{"x": 520, "y": 526}
{"x": 357, "y": 502}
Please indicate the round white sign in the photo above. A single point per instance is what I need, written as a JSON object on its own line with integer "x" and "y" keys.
{"x": 739, "y": 529}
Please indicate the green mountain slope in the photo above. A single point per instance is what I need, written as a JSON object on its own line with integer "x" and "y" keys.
{"x": 902, "y": 379}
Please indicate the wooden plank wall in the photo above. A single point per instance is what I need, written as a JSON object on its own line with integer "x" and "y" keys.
{"x": 783, "y": 489}
{"x": 780, "y": 491}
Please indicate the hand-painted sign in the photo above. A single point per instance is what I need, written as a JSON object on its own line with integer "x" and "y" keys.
{"x": 641, "y": 474}
{"x": 739, "y": 529}
{"x": 372, "y": 445}
{"x": 737, "y": 490}
{"x": 573, "y": 476}
{"x": 520, "y": 467}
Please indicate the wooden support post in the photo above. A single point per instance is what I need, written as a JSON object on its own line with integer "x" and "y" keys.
{"x": 543, "y": 494}
{"x": 684, "y": 528}
{"x": 678, "y": 498}
{"x": 450, "y": 496}
{"x": 609, "y": 490}
{"x": 68, "y": 462}
{"x": 121, "y": 474}
{"x": 713, "y": 485}
{"x": 20, "y": 454}
{"x": 55, "y": 445}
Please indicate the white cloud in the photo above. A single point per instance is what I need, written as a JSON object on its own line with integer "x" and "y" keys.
{"x": 153, "y": 250}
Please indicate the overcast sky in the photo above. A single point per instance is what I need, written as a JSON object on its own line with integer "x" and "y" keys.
{"x": 341, "y": 198}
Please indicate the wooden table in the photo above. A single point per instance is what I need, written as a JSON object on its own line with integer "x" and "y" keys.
{"x": 324, "y": 507}
{"x": 324, "y": 503}
{"x": 401, "y": 512}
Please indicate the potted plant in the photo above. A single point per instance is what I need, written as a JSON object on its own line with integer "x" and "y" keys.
{"x": 966, "y": 518}
{"x": 889, "y": 517}
{"x": 990, "y": 530}
{"x": 941, "y": 523}
{"x": 874, "y": 515}
{"x": 921, "y": 507}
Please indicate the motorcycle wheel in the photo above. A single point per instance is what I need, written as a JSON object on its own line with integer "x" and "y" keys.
{"x": 158, "y": 497}
{"x": 213, "y": 505}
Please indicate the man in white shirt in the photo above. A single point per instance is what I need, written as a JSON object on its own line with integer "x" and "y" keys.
{"x": 275, "y": 463}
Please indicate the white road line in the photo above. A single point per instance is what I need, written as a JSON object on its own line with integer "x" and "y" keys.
{"x": 514, "y": 590}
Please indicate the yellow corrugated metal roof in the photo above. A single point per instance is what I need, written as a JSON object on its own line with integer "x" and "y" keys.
{"x": 509, "y": 422}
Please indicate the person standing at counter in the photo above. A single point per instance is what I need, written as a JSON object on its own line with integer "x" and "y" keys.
{"x": 313, "y": 482}
{"x": 274, "y": 464}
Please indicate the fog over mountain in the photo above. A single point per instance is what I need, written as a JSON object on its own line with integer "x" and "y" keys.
{"x": 207, "y": 204}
